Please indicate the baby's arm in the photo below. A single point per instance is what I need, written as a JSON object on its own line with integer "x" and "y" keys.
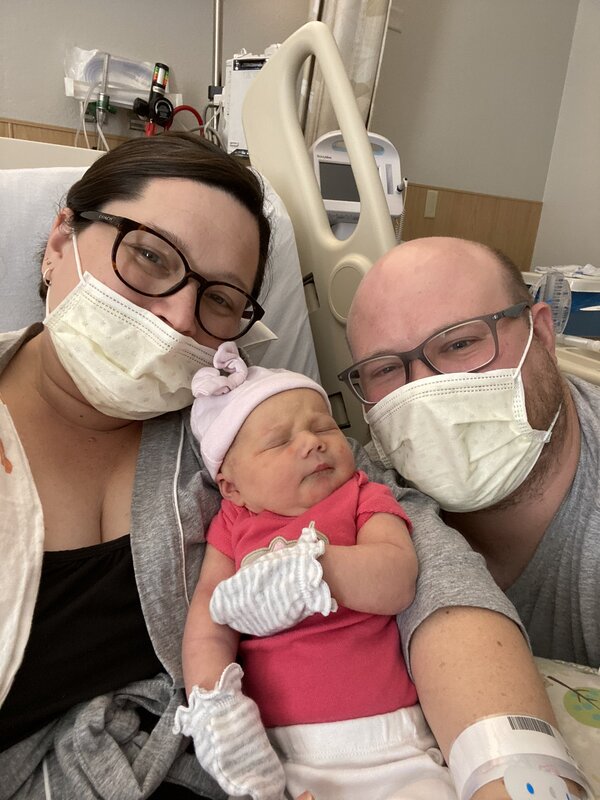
{"x": 378, "y": 574}
{"x": 208, "y": 647}
{"x": 229, "y": 738}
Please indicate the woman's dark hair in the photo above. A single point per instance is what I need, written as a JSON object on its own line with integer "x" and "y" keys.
{"x": 123, "y": 173}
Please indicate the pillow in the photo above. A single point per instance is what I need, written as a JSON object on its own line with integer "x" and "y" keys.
{"x": 283, "y": 298}
{"x": 30, "y": 201}
{"x": 574, "y": 692}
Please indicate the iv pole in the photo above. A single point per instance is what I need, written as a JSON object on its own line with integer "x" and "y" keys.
{"x": 216, "y": 87}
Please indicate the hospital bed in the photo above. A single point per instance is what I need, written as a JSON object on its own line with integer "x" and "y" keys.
{"x": 35, "y": 176}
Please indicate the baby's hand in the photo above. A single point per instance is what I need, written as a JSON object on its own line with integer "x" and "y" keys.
{"x": 229, "y": 738}
{"x": 276, "y": 591}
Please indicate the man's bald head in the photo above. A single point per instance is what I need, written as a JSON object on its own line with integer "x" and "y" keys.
{"x": 420, "y": 292}
{"x": 425, "y": 284}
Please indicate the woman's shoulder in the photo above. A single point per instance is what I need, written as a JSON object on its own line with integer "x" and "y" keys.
{"x": 12, "y": 341}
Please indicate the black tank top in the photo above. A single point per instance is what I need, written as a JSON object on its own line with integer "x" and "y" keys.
{"x": 88, "y": 637}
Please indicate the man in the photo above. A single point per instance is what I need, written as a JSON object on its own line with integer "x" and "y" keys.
{"x": 478, "y": 416}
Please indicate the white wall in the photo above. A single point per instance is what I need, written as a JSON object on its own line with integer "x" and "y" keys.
{"x": 34, "y": 35}
{"x": 570, "y": 226}
{"x": 470, "y": 90}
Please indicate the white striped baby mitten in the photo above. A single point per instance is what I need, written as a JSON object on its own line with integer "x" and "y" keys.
{"x": 230, "y": 740}
{"x": 276, "y": 591}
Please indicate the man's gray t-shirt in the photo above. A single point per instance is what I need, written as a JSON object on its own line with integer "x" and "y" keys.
{"x": 558, "y": 593}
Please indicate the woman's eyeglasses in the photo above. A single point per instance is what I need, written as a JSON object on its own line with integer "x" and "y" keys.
{"x": 148, "y": 263}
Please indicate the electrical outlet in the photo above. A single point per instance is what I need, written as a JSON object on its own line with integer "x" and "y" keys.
{"x": 430, "y": 203}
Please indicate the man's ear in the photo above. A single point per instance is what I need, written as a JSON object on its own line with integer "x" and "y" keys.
{"x": 543, "y": 326}
{"x": 229, "y": 490}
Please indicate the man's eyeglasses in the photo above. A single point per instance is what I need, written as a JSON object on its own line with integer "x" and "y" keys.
{"x": 464, "y": 347}
{"x": 148, "y": 263}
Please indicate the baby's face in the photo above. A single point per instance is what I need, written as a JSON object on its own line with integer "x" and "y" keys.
{"x": 288, "y": 455}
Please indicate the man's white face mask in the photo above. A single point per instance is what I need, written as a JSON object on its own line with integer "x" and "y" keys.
{"x": 462, "y": 438}
{"x": 124, "y": 360}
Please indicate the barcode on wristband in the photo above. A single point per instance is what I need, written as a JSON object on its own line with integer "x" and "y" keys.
{"x": 530, "y": 724}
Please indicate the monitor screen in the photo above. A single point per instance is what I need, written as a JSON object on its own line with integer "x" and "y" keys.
{"x": 337, "y": 182}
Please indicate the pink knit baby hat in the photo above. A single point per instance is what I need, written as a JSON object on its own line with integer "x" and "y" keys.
{"x": 223, "y": 402}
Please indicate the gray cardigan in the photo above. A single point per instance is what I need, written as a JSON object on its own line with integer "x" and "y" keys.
{"x": 96, "y": 748}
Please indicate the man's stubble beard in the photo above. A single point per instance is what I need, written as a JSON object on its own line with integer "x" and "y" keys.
{"x": 545, "y": 391}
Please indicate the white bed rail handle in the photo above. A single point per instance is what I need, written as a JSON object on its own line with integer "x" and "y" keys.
{"x": 278, "y": 150}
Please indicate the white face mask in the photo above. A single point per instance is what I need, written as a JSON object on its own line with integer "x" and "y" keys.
{"x": 124, "y": 360}
{"x": 464, "y": 438}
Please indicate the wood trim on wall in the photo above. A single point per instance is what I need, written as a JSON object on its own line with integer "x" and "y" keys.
{"x": 505, "y": 223}
{"x": 52, "y": 134}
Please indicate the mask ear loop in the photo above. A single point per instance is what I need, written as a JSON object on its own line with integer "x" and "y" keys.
{"x": 77, "y": 259}
{"x": 528, "y": 345}
{"x": 49, "y": 269}
{"x": 46, "y": 277}
{"x": 548, "y": 433}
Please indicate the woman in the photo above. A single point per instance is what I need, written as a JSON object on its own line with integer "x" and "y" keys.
{"x": 157, "y": 257}
{"x": 77, "y": 392}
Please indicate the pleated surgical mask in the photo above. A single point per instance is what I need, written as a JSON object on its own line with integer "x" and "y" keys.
{"x": 124, "y": 360}
{"x": 462, "y": 438}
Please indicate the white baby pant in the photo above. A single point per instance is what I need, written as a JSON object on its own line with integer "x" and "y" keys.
{"x": 387, "y": 757}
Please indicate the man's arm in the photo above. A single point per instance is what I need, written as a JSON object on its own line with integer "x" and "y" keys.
{"x": 457, "y": 686}
{"x": 465, "y": 646}
{"x": 470, "y": 663}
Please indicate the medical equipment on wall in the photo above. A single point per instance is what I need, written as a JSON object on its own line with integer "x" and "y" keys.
{"x": 124, "y": 78}
{"x": 158, "y": 109}
{"x": 338, "y": 187}
{"x": 331, "y": 268}
{"x": 105, "y": 82}
{"x": 240, "y": 72}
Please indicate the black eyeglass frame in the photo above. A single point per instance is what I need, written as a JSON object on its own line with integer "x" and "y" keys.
{"x": 124, "y": 225}
{"x": 418, "y": 354}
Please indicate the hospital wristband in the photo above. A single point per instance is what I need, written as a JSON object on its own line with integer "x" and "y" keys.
{"x": 484, "y": 750}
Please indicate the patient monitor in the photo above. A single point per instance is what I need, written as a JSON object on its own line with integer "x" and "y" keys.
{"x": 335, "y": 177}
